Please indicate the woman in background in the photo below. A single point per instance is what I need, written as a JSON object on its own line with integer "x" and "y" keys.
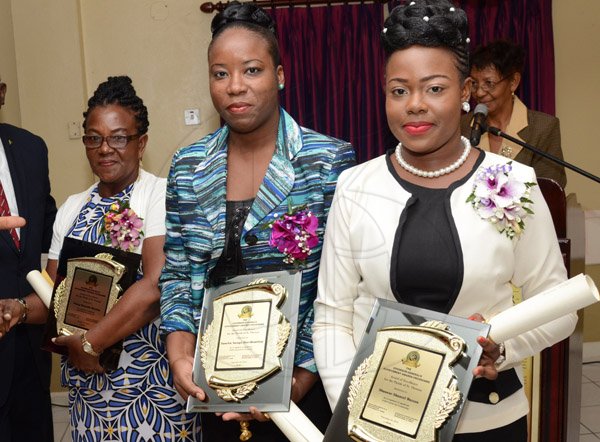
{"x": 496, "y": 72}
{"x": 224, "y": 192}
{"x": 436, "y": 224}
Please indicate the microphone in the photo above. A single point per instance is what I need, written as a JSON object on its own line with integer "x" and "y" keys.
{"x": 478, "y": 126}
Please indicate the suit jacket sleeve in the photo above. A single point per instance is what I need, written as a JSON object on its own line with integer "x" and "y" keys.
{"x": 177, "y": 306}
{"x": 50, "y": 206}
{"x": 545, "y": 131}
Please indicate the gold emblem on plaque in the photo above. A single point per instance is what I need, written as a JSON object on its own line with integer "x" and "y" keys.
{"x": 88, "y": 292}
{"x": 243, "y": 343}
{"x": 246, "y": 312}
{"x": 406, "y": 390}
{"x": 412, "y": 359}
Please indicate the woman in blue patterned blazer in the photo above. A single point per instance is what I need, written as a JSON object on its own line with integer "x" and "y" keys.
{"x": 225, "y": 190}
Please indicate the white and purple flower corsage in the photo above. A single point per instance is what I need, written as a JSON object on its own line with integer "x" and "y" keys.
{"x": 501, "y": 199}
{"x": 122, "y": 227}
{"x": 295, "y": 235}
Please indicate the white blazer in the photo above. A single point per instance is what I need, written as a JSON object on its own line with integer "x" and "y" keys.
{"x": 355, "y": 269}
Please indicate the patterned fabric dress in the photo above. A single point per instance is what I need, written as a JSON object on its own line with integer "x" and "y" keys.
{"x": 136, "y": 402}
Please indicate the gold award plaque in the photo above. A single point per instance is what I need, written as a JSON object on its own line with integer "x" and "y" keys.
{"x": 243, "y": 343}
{"x": 406, "y": 390}
{"x": 88, "y": 292}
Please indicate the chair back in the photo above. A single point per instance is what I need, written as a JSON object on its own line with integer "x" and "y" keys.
{"x": 554, "y": 372}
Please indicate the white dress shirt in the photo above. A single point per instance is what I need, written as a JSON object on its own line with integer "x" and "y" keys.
{"x": 7, "y": 184}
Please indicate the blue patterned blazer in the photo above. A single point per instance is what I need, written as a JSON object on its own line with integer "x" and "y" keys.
{"x": 303, "y": 171}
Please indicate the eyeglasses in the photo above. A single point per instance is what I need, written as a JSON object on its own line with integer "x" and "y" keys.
{"x": 487, "y": 85}
{"x": 113, "y": 141}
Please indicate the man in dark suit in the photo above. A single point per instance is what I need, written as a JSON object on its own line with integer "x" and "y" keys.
{"x": 25, "y": 410}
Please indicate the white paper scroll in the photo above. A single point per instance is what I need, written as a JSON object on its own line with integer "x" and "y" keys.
{"x": 567, "y": 297}
{"x": 42, "y": 285}
{"x": 296, "y": 426}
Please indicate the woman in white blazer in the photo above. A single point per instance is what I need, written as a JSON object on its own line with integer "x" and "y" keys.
{"x": 438, "y": 225}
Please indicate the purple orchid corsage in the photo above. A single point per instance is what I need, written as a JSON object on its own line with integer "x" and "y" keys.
{"x": 122, "y": 227}
{"x": 295, "y": 235}
{"x": 501, "y": 199}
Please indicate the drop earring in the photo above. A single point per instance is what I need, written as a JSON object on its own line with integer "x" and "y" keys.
{"x": 466, "y": 106}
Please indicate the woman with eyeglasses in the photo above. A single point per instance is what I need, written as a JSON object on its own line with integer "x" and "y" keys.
{"x": 496, "y": 73}
{"x": 136, "y": 401}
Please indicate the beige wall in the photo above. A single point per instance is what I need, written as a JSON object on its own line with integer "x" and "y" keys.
{"x": 576, "y": 42}
{"x": 162, "y": 46}
{"x": 48, "y": 63}
{"x": 11, "y": 112}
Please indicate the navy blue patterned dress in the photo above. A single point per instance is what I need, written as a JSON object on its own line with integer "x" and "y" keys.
{"x": 136, "y": 402}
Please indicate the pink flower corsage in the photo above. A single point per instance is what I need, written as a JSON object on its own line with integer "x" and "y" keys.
{"x": 295, "y": 235}
{"x": 122, "y": 227}
{"x": 501, "y": 199}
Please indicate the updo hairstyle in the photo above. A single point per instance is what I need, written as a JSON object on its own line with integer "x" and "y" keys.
{"x": 251, "y": 17}
{"x": 119, "y": 90}
{"x": 429, "y": 23}
{"x": 506, "y": 56}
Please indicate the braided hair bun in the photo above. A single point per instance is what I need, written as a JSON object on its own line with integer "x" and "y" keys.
{"x": 429, "y": 23}
{"x": 242, "y": 12}
{"x": 250, "y": 17}
{"x": 120, "y": 91}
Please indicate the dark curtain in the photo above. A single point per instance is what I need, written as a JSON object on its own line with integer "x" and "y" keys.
{"x": 333, "y": 67}
{"x": 528, "y": 23}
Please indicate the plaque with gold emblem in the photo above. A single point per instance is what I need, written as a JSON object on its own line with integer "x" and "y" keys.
{"x": 90, "y": 278}
{"x": 88, "y": 292}
{"x": 246, "y": 343}
{"x": 410, "y": 377}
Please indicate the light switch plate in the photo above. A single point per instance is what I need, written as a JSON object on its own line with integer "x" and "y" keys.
{"x": 74, "y": 130}
{"x": 191, "y": 117}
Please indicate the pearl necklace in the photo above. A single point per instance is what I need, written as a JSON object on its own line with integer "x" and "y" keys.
{"x": 434, "y": 173}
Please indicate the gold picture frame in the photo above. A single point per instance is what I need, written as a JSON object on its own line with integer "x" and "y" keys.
{"x": 406, "y": 389}
{"x": 244, "y": 342}
{"x": 88, "y": 292}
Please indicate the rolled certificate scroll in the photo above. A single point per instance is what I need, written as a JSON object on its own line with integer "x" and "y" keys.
{"x": 42, "y": 284}
{"x": 567, "y": 297}
{"x": 296, "y": 426}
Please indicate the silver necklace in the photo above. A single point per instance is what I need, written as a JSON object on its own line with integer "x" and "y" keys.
{"x": 434, "y": 173}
